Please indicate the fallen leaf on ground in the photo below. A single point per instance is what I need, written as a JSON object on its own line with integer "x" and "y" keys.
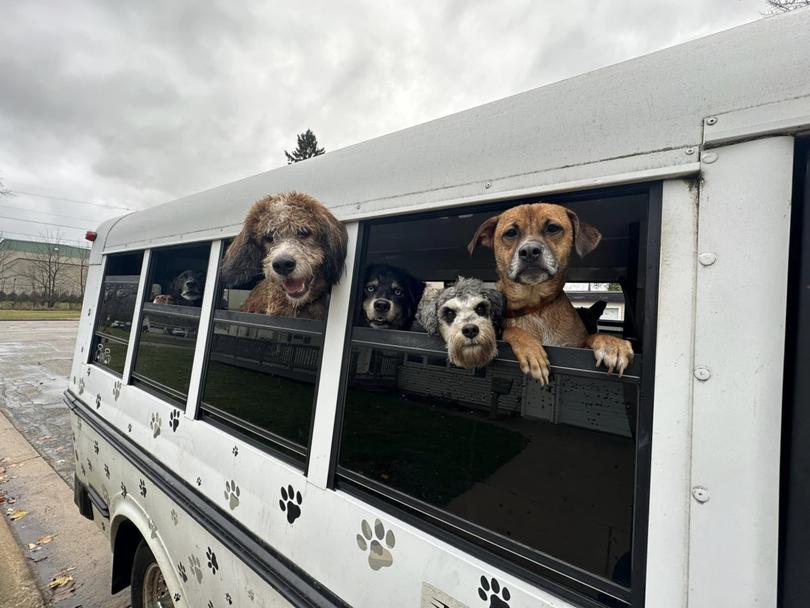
{"x": 44, "y": 540}
{"x": 19, "y": 514}
{"x": 60, "y": 581}
{"x": 32, "y": 546}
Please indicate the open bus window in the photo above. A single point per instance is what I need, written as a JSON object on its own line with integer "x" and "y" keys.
{"x": 261, "y": 372}
{"x": 170, "y": 321}
{"x": 116, "y": 307}
{"x": 542, "y": 476}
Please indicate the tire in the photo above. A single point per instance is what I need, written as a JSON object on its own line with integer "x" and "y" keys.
{"x": 148, "y": 588}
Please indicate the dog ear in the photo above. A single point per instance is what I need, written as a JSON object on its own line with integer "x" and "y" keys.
{"x": 335, "y": 240}
{"x": 497, "y": 303}
{"x": 415, "y": 290}
{"x": 426, "y": 313}
{"x": 586, "y": 237}
{"x": 484, "y": 235}
{"x": 243, "y": 259}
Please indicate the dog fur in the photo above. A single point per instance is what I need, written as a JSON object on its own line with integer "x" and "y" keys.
{"x": 390, "y": 297}
{"x": 186, "y": 289}
{"x": 298, "y": 245}
{"x": 532, "y": 245}
{"x": 468, "y": 317}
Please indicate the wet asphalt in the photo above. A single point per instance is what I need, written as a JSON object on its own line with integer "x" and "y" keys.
{"x": 55, "y": 545}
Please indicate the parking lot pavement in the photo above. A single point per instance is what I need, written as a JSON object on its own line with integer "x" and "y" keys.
{"x": 35, "y": 361}
{"x": 36, "y": 468}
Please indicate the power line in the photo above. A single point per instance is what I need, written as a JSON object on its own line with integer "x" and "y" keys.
{"x": 16, "y": 219}
{"x": 70, "y": 200}
{"x": 37, "y": 237}
{"x": 82, "y": 219}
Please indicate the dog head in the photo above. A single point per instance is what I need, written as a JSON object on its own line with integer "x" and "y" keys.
{"x": 187, "y": 287}
{"x": 390, "y": 297}
{"x": 532, "y": 244}
{"x": 468, "y": 317}
{"x": 295, "y": 241}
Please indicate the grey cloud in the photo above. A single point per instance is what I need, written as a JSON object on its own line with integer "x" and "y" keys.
{"x": 138, "y": 103}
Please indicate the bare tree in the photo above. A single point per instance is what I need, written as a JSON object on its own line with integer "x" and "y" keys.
{"x": 784, "y": 6}
{"x": 3, "y": 190}
{"x": 6, "y": 256}
{"x": 84, "y": 258}
{"x": 46, "y": 266}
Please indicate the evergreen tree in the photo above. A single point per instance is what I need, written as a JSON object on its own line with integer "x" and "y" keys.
{"x": 307, "y": 148}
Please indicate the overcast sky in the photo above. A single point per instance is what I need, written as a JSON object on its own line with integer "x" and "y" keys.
{"x": 110, "y": 105}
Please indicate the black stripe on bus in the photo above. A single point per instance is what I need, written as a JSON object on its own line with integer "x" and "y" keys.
{"x": 295, "y": 585}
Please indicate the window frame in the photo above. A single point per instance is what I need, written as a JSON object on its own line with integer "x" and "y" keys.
{"x": 146, "y": 275}
{"x": 90, "y": 359}
{"x": 261, "y": 439}
{"x": 468, "y": 536}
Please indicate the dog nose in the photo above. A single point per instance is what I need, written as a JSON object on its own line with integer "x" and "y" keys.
{"x": 470, "y": 331}
{"x": 191, "y": 283}
{"x": 530, "y": 251}
{"x": 382, "y": 305}
{"x": 284, "y": 265}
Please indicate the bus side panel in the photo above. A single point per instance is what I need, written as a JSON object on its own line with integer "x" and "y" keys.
{"x": 199, "y": 571}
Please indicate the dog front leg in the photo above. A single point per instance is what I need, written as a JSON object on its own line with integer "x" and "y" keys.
{"x": 530, "y": 354}
{"x": 614, "y": 352}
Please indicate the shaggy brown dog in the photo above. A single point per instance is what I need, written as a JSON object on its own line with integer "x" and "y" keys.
{"x": 532, "y": 245}
{"x": 298, "y": 245}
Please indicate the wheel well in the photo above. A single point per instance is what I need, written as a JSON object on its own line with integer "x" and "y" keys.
{"x": 127, "y": 539}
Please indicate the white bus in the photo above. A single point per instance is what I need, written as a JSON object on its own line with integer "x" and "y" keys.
{"x": 243, "y": 459}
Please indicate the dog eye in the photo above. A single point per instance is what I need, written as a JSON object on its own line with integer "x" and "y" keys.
{"x": 482, "y": 310}
{"x": 449, "y": 314}
{"x": 303, "y": 233}
{"x": 268, "y": 238}
{"x": 370, "y": 288}
{"x": 398, "y": 291}
{"x": 553, "y": 228}
{"x": 510, "y": 233}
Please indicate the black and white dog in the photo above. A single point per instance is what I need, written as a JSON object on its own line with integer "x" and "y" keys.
{"x": 390, "y": 297}
{"x": 468, "y": 317}
{"x": 186, "y": 289}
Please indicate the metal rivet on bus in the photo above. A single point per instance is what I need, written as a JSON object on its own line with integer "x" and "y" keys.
{"x": 711, "y": 120}
{"x": 701, "y": 494}
{"x": 702, "y": 373}
{"x": 690, "y": 151}
{"x": 709, "y": 157}
{"x": 488, "y": 185}
{"x": 707, "y": 258}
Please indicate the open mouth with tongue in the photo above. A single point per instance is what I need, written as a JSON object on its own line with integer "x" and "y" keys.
{"x": 295, "y": 288}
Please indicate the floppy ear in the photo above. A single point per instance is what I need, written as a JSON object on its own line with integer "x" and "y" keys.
{"x": 243, "y": 259}
{"x": 334, "y": 241}
{"x": 586, "y": 237}
{"x": 497, "y": 303}
{"x": 426, "y": 313}
{"x": 415, "y": 290}
{"x": 484, "y": 235}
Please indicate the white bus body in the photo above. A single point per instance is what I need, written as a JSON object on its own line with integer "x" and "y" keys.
{"x": 700, "y": 139}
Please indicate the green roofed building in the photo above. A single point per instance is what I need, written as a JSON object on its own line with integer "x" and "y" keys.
{"x": 49, "y": 269}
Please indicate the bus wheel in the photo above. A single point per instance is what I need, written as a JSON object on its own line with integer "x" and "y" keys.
{"x": 148, "y": 588}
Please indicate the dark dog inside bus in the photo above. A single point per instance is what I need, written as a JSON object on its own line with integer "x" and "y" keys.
{"x": 390, "y": 297}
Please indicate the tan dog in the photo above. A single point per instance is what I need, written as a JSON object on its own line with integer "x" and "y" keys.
{"x": 532, "y": 245}
{"x": 298, "y": 245}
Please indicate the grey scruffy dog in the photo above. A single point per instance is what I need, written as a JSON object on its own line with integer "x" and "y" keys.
{"x": 468, "y": 317}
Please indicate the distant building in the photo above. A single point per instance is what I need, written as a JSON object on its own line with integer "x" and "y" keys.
{"x": 21, "y": 262}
